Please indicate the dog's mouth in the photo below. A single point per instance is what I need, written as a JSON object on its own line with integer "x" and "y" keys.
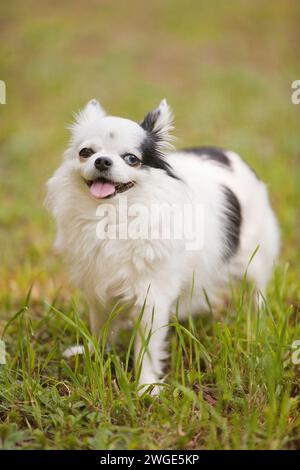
{"x": 102, "y": 188}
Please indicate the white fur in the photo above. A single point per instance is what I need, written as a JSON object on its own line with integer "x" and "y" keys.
{"x": 160, "y": 271}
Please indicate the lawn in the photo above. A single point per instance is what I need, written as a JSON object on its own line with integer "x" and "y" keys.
{"x": 226, "y": 68}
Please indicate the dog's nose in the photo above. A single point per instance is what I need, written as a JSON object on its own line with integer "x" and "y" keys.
{"x": 103, "y": 163}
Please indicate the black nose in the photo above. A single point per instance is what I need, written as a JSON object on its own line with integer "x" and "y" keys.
{"x": 103, "y": 163}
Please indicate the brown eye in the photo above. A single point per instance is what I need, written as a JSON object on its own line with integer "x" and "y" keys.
{"x": 86, "y": 152}
{"x": 131, "y": 159}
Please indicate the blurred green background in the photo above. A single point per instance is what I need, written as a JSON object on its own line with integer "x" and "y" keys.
{"x": 226, "y": 68}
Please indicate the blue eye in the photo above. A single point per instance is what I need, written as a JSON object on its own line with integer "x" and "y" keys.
{"x": 131, "y": 159}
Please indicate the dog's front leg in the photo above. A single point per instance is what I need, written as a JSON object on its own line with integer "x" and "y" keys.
{"x": 150, "y": 342}
{"x": 97, "y": 320}
{"x": 97, "y": 317}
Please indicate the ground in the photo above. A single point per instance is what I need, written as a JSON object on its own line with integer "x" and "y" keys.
{"x": 226, "y": 68}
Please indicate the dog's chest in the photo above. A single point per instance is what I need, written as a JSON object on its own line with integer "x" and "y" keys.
{"x": 114, "y": 268}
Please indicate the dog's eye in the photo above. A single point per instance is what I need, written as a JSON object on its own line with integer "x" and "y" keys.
{"x": 86, "y": 152}
{"x": 131, "y": 159}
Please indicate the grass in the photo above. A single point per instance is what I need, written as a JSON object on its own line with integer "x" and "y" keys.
{"x": 227, "y": 72}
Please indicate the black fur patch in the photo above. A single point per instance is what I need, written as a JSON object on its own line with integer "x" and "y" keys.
{"x": 233, "y": 221}
{"x": 148, "y": 124}
{"x": 153, "y": 157}
{"x": 210, "y": 153}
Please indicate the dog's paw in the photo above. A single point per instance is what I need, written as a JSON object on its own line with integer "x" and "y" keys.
{"x": 76, "y": 351}
{"x": 73, "y": 351}
{"x": 151, "y": 387}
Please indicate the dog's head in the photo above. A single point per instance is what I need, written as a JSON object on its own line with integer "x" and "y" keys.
{"x": 112, "y": 154}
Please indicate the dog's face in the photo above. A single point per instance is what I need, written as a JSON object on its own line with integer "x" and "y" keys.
{"x": 112, "y": 154}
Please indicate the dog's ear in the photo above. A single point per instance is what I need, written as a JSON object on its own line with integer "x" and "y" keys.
{"x": 159, "y": 123}
{"x": 92, "y": 112}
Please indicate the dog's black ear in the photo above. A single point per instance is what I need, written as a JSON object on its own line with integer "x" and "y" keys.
{"x": 159, "y": 123}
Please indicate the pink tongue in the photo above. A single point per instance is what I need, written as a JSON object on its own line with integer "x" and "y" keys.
{"x": 100, "y": 190}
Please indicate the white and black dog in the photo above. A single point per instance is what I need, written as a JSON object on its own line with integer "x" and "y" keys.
{"x": 111, "y": 159}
